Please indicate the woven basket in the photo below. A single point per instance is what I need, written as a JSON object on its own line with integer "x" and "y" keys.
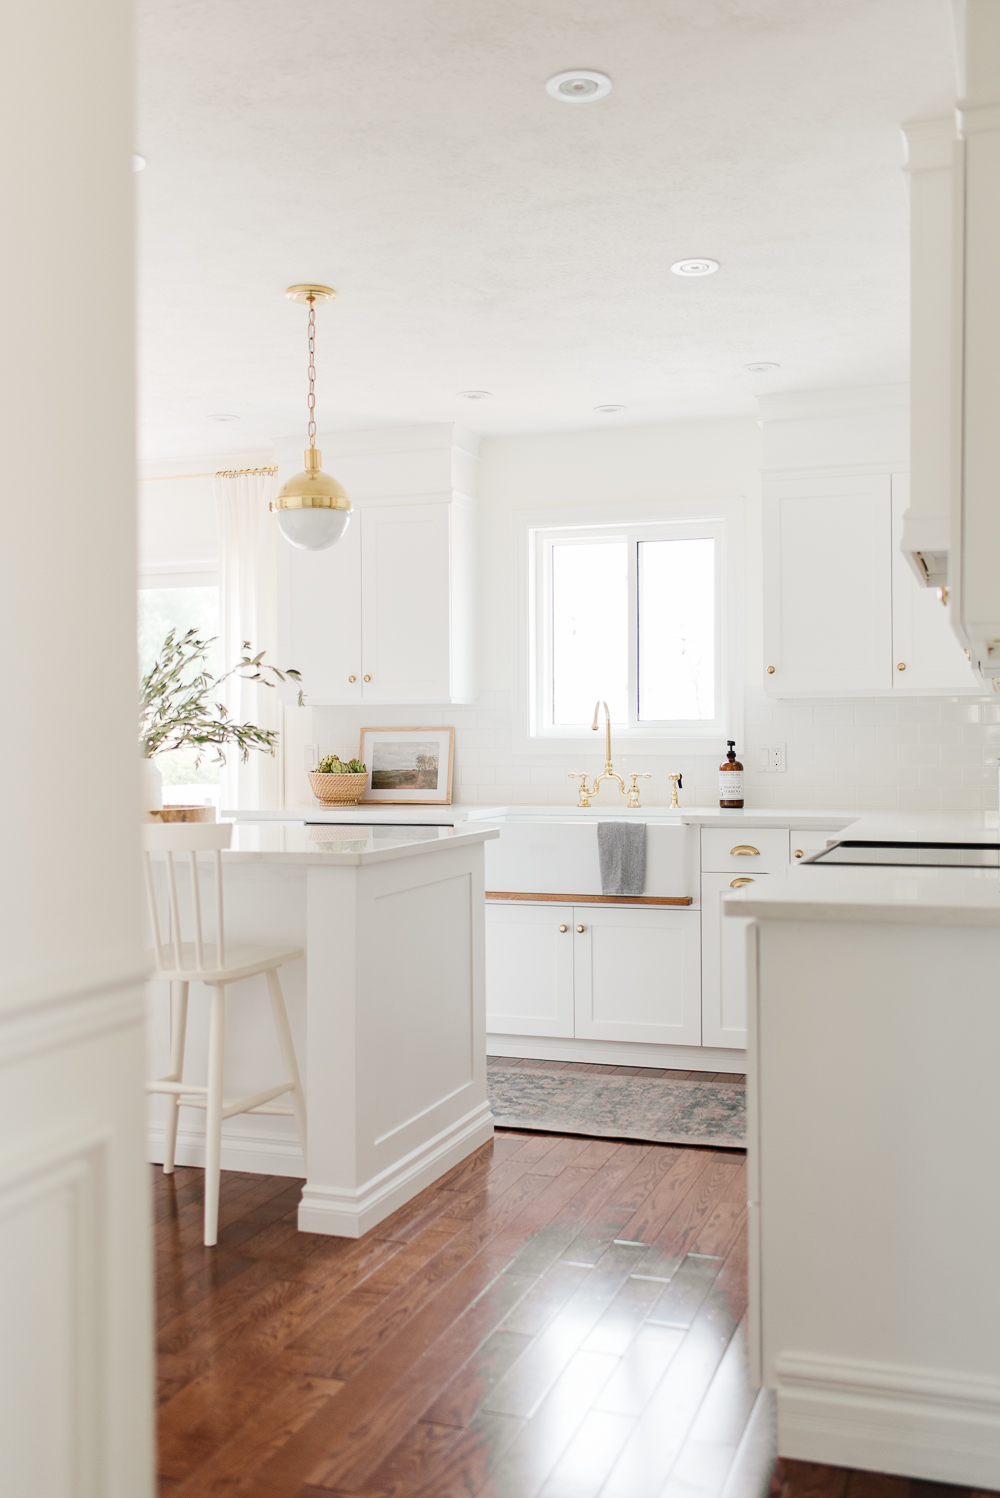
{"x": 338, "y": 790}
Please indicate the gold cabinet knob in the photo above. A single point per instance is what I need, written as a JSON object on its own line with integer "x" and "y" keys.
{"x": 581, "y": 928}
{"x": 563, "y": 928}
{"x": 798, "y": 853}
{"x": 901, "y": 666}
{"x": 367, "y": 678}
{"x": 738, "y": 883}
{"x": 352, "y": 678}
{"x": 770, "y": 670}
{"x": 744, "y": 850}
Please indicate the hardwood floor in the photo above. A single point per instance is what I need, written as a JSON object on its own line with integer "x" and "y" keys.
{"x": 557, "y": 1316}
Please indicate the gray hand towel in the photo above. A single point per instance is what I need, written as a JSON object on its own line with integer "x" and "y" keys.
{"x": 622, "y": 850}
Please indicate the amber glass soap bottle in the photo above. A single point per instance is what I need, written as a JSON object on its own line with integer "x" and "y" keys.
{"x": 731, "y": 780}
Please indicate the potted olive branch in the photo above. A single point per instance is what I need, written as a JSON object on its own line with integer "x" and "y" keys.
{"x": 179, "y": 705}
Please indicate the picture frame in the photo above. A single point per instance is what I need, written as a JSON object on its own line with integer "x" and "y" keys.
{"x": 408, "y": 766}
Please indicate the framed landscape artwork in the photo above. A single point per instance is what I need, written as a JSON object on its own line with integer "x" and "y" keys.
{"x": 409, "y": 765}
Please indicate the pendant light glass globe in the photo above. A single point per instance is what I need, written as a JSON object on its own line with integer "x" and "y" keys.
{"x": 312, "y": 508}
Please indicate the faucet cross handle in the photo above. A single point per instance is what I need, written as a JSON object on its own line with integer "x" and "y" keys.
{"x": 633, "y": 790}
{"x": 584, "y": 792}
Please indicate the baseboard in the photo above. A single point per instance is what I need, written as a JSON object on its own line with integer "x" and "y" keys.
{"x": 883, "y": 1417}
{"x": 618, "y": 1053}
{"x": 263, "y": 1153}
{"x": 346, "y": 1212}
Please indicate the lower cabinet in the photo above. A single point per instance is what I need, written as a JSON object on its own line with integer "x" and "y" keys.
{"x": 594, "y": 972}
{"x": 723, "y": 965}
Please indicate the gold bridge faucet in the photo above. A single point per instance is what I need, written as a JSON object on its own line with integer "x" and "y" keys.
{"x": 608, "y": 773}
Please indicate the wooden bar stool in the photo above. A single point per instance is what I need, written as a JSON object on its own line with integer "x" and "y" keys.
{"x": 180, "y": 963}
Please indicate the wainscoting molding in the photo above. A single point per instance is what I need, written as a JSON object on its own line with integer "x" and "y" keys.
{"x": 915, "y": 1422}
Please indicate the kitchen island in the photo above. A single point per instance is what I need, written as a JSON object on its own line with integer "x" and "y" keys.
{"x": 387, "y": 1011}
{"x": 874, "y": 1016}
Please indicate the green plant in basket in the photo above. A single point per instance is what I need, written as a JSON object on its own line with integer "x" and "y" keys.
{"x": 332, "y": 764}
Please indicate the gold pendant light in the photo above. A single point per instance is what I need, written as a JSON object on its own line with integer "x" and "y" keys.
{"x": 313, "y": 509}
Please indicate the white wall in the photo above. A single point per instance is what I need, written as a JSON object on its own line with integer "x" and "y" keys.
{"x": 934, "y": 753}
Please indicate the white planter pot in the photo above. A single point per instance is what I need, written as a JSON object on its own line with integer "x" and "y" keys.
{"x": 151, "y": 786}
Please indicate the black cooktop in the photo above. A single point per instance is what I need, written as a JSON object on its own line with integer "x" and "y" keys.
{"x": 910, "y": 855}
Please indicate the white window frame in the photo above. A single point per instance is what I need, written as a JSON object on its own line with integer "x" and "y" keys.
{"x": 534, "y": 731}
{"x": 178, "y": 575}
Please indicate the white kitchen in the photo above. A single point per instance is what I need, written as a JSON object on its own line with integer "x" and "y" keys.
{"x": 546, "y": 1003}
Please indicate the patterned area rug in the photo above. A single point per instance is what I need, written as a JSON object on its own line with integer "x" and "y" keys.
{"x": 660, "y": 1112}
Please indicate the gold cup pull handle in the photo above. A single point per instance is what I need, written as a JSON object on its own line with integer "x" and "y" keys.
{"x": 744, "y": 850}
{"x": 739, "y": 883}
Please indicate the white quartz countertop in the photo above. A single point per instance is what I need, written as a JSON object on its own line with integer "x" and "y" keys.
{"x": 360, "y": 843}
{"x": 379, "y": 815}
{"x": 926, "y": 827}
{"x": 944, "y": 897}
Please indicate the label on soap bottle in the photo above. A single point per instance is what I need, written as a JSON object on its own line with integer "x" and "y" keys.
{"x": 730, "y": 785}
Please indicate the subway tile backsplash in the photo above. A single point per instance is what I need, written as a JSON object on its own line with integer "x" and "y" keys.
{"x": 870, "y": 754}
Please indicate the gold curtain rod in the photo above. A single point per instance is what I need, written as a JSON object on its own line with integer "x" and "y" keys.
{"x": 219, "y": 473}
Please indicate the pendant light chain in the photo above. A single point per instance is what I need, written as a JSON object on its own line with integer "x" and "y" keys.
{"x": 312, "y": 372}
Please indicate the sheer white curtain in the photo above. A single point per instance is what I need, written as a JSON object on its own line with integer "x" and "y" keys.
{"x": 247, "y": 613}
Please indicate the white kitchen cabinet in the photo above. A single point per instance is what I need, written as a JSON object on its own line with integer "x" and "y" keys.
{"x": 594, "y": 972}
{"x": 843, "y": 614}
{"x": 923, "y": 643}
{"x": 324, "y": 618}
{"x": 723, "y": 965}
{"x": 387, "y": 615}
{"x": 529, "y": 969}
{"x": 827, "y": 586}
{"x": 637, "y": 975}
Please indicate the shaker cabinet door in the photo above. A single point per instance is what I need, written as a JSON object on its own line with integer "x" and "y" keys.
{"x": 926, "y": 654}
{"x": 406, "y": 603}
{"x": 723, "y": 966}
{"x": 637, "y": 975}
{"x": 324, "y": 617}
{"x": 827, "y": 586}
{"x": 529, "y": 969}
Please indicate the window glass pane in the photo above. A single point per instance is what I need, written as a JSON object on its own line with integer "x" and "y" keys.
{"x": 589, "y": 629}
{"x": 162, "y": 609}
{"x": 676, "y": 629}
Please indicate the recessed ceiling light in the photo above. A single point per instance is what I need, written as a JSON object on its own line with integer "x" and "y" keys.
{"x": 760, "y": 368}
{"x": 694, "y": 267}
{"x": 609, "y": 410}
{"x": 222, "y": 416}
{"x": 579, "y": 86}
{"x": 138, "y": 163}
{"x": 474, "y": 395}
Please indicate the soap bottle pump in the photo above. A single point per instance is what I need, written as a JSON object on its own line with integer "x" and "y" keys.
{"x": 731, "y": 780}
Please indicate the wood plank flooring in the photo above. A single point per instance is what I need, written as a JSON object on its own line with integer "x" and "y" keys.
{"x": 555, "y": 1318}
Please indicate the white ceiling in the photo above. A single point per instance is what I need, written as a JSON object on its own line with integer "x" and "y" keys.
{"x": 483, "y": 235}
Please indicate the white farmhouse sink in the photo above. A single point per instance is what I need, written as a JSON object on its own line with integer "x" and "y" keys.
{"x": 557, "y": 855}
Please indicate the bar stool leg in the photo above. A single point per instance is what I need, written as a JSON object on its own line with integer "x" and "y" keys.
{"x": 287, "y": 1052}
{"x": 213, "y": 1113}
{"x": 179, "y": 1017}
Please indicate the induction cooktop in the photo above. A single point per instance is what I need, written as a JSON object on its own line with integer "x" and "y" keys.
{"x": 910, "y": 855}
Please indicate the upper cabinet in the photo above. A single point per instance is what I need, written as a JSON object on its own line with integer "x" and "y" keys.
{"x": 844, "y": 614}
{"x": 827, "y": 586}
{"x": 388, "y": 614}
{"x": 927, "y": 657}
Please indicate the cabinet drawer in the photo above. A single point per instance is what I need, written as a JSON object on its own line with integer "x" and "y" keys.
{"x": 744, "y": 849}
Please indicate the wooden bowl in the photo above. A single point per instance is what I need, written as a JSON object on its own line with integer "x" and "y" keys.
{"x": 338, "y": 790}
{"x": 183, "y": 814}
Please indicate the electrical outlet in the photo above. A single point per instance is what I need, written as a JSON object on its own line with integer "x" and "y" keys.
{"x": 771, "y": 758}
{"x": 312, "y": 756}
